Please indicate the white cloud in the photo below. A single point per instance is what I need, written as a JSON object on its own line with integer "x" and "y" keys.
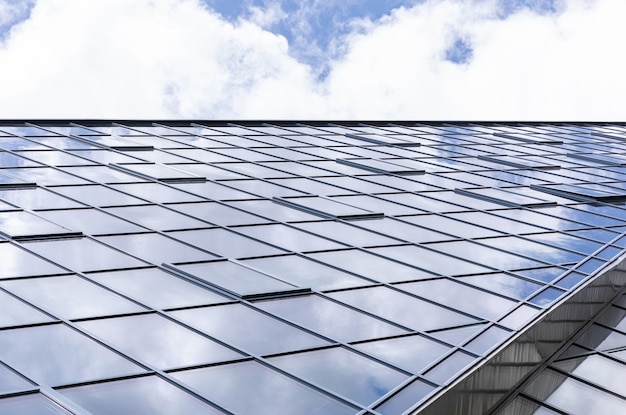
{"x": 176, "y": 59}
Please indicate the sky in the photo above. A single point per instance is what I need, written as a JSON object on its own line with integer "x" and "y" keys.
{"x": 526, "y": 60}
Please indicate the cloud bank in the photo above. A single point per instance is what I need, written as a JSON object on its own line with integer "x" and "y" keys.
{"x": 437, "y": 60}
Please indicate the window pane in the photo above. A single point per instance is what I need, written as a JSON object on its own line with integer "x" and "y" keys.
{"x": 90, "y": 221}
{"x": 10, "y": 381}
{"x": 251, "y": 388}
{"x": 17, "y": 262}
{"x": 141, "y": 396}
{"x": 225, "y": 243}
{"x": 393, "y": 305}
{"x": 37, "y": 198}
{"x": 156, "y": 288}
{"x": 158, "y": 341}
{"x": 218, "y": 214}
{"x": 34, "y": 404}
{"x": 248, "y": 329}
{"x": 70, "y": 297}
{"x": 14, "y": 312}
{"x": 329, "y": 318}
{"x": 289, "y": 238}
{"x": 157, "y": 218}
{"x": 57, "y": 355}
{"x": 343, "y": 372}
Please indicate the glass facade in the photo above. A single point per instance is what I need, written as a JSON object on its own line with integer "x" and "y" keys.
{"x": 303, "y": 267}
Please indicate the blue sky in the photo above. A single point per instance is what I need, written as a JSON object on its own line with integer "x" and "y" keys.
{"x": 394, "y": 59}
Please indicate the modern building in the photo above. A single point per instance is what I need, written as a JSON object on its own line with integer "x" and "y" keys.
{"x": 382, "y": 268}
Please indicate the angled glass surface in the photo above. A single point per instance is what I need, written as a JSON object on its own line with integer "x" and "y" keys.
{"x": 32, "y": 404}
{"x": 54, "y": 158}
{"x": 252, "y": 388}
{"x": 156, "y": 192}
{"x": 157, "y": 172}
{"x": 346, "y": 233}
{"x": 302, "y": 272}
{"x": 371, "y": 266}
{"x": 14, "y": 312}
{"x": 461, "y": 297}
{"x": 329, "y": 318}
{"x": 18, "y": 262}
{"x": 37, "y": 198}
{"x": 269, "y": 209}
{"x": 57, "y": 355}
{"x": 451, "y": 226}
{"x": 403, "y": 231}
{"x": 156, "y": 248}
{"x": 157, "y": 217}
{"x": 214, "y": 191}
{"x": 103, "y": 156}
{"x": 225, "y": 243}
{"x": 248, "y": 330}
{"x": 234, "y": 278}
{"x": 533, "y": 249}
{"x": 70, "y": 297}
{"x": 90, "y": 221}
{"x": 429, "y": 260}
{"x": 263, "y": 188}
{"x": 83, "y": 254}
{"x": 158, "y": 341}
{"x": 97, "y": 195}
{"x": 504, "y": 284}
{"x": 327, "y": 208}
{"x": 148, "y": 395}
{"x": 343, "y": 372}
{"x": 289, "y": 238}
{"x": 406, "y": 398}
{"x": 20, "y": 225}
{"x": 47, "y": 176}
{"x": 157, "y": 289}
{"x": 412, "y": 353}
{"x": 218, "y": 213}
{"x": 402, "y": 309}
{"x": 384, "y": 166}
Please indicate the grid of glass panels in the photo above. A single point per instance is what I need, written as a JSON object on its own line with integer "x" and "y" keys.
{"x": 354, "y": 267}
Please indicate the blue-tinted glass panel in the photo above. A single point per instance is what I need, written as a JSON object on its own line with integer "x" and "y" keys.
{"x": 394, "y": 305}
{"x": 157, "y": 217}
{"x": 329, "y": 318}
{"x": 248, "y": 329}
{"x": 141, "y": 396}
{"x": 289, "y": 238}
{"x": 14, "y": 312}
{"x": 218, "y": 214}
{"x": 70, "y": 297}
{"x": 17, "y": 262}
{"x": 158, "y": 341}
{"x": 251, "y": 388}
{"x": 225, "y": 243}
{"x": 343, "y": 372}
{"x": 90, "y": 221}
{"x": 37, "y": 198}
{"x": 57, "y": 355}
{"x": 35, "y": 404}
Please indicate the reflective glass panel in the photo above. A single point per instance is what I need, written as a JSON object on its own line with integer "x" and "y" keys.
{"x": 157, "y": 217}
{"x": 37, "y": 198}
{"x": 158, "y": 341}
{"x": 329, "y": 318}
{"x": 225, "y": 243}
{"x": 90, "y": 221}
{"x": 57, "y": 355}
{"x": 35, "y": 404}
{"x": 402, "y": 309}
{"x": 17, "y": 262}
{"x": 248, "y": 329}
{"x": 14, "y": 312}
{"x": 251, "y": 388}
{"x": 289, "y": 238}
{"x": 218, "y": 214}
{"x": 141, "y": 396}
{"x": 343, "y": 372}
{"x": 70, "y": 297}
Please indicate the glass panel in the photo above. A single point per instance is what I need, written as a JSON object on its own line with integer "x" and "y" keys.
{"x": 304, "y": 273}
{"x": 234, "y": 278}
{"x": 23, "y": 224}
{"x": 70, "y": 297}
{"x": 37, "y": 198}
{"x": 97, "y": 195}
{"x": 14, "y": 312}
{"x": 413, "y": 353}
{"x": 90, "y": 221}
{"x": 57, "y": 355}
{"x": 17, "y": 262}
{"x": 406, "y": 398}
{"x": 218, "y": 214}
{"x": 251, "y": 388}
{"x": 213, "y": 191}
{"x": 430, "y": 260}
{"x": 83, "y": 254}
{"x": 487, "y": 340}
{"x": 156, "y": 193}
{"x": 156, "y": 248}
{"x": 450, "y": 367}
{"x": 35, "y": 404}
{"x": 533, "y": 249}
{"x": 598, "y": 370}
{"x": 485, "y": 255}
{"x": 451, "y": 226}
{"x": 600, "y": 338}
{"x": 158, "y": 341}
{"x": 505, "y": 284}
{"x": 329, "y": 318}
{"x": 271, "y": 210}
{"x": 157, "y": 289}
{"x": 225, "y": 243}
{"x": 10, "y": 381}
{"x": 461, "y": 297}
{"x": 53, "y": 158}
{"x": 248, "y": 329}
{"x": 346, "y": 233}
{"x": 141, "y": 396}
{"x": 47, "y": 176}
{"x": 457, "y": 335}
{"x": 157, "y": 217}
{"x": 394, "y": 305}
{"x": 371, "y": 266}
{"x": 403, "y": 230}
{"x": 288, "y": 238}
{"x": 343, "y": 372}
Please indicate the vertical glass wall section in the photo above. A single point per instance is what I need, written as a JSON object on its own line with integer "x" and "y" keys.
{"x": 300, "y": 267}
